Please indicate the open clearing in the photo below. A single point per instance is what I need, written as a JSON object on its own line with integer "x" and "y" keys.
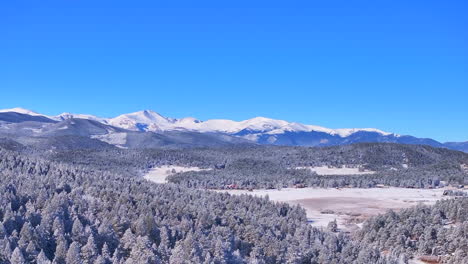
{"x": 325, "y": 170}
{"x": 159, "y": 174}
{"x": 349, "y": 206}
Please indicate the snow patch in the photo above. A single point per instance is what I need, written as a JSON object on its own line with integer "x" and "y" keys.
{"x": 325, "y": 170}
{"x": 146, "y": 120}
{"x": 345, "y": 132}
{"x": 20, "y": 110}
{"x": 159, "y": 174}
{"x": 464, "y": 167}
{"x": 36, "y": 130}
{"x": 118, "y": 139}
{"x": 65, "y": 116}
{"x": 349, "y": 206}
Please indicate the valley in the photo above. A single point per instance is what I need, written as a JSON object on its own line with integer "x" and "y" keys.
{"x": 133, "y": 190}
{"x": 349, "y": 206}
{"x": 234, "y": 132}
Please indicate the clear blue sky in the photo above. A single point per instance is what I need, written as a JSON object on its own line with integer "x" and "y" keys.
{"x": 401, "y": 66}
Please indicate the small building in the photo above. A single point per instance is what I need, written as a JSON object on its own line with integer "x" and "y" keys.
{"x": 430, "y": 259}
{"x": 231, "y": 186}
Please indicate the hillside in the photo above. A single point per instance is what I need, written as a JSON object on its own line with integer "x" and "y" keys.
{"x": 358, "y": 165}
{"x": 148, "y": 129}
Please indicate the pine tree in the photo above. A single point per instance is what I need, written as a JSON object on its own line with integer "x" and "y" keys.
{"x": 2, "y": 231}
{"x": 42, "y": 258}
{"x": 128, "y": 240}
{"x": 5, "y": 249}
{"x": 101, "y": 260}
{"x": 73, "y": 254}
{"x": 31, "y": 251}
{"x": 333, "y": 226}
{"x": 26, "y": 235}
{"x": 142, "y": 252}
{"x": 105, "y": 252}
{"x": 58, "y": 227}
{"x": 17, "y": 257}
{"x": 61, "y": 250}
{"x": 78, "y": 231}
{"x": 89, "y": 251}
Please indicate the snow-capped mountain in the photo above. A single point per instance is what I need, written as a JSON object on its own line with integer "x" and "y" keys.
{"x": 144, "y": 127}
{"x": 148, "y": 120}
{"x": 65, "y": 116}
{"x": 20, "y": 110}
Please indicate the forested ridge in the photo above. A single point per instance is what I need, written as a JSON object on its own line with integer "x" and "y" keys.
{"x": 409, "y": 166}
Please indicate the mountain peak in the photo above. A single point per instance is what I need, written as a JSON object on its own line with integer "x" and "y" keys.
{"x": 65, "y": 116}
{"x": 144, "y": 120}
{"x": 20, "y": 110}
{"x": 259, "y": 130}
{"x": 149, "y": 120}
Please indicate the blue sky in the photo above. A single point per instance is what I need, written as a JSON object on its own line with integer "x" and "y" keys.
{"x": 400, "y": 66}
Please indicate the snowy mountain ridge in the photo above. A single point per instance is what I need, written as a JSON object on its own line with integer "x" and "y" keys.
{"x": 149, "y": 129}
{"x": 148, "y": 120}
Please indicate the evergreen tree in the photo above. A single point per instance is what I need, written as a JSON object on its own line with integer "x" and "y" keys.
{"x": 73, "y": 254}
{"x": 42, "y": 258}
{"x": 17, "y": 257}
{"x": 89, "y": 251}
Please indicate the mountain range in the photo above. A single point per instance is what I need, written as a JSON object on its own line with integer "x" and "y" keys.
{"x": 148, "y": 129}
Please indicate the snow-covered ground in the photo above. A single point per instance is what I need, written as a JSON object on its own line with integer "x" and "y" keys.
{"x": 464, "y": 167}
{"x": 348, "y": 206}
{"x": 118, "y": 139}
{"x": 159, "y": 174}
{"x": 148, "y": 120}
{"x": 325, "y": 170}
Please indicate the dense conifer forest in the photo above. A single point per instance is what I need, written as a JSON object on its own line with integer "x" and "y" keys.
{"x": 73, "y": 214}
{"x": 87, "y": 206}
{"x": 439, "y": 230}
{"x": 409, "y": 166}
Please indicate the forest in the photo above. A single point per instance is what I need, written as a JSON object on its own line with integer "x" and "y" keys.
{"x": 94, "y": 207}
{"x": 409, "y": 166}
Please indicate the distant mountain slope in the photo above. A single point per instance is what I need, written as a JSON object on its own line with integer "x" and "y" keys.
{"x": 40, "y": 132}
{"x": 13, "y": 117}
{"x": 461, "y": 146}
{"x": 147, "y": 128}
